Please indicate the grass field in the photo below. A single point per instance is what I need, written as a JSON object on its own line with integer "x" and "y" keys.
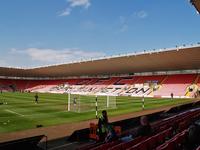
{"x": 19, "y": 111}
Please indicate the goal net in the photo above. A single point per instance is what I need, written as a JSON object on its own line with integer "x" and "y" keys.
{"x": 85, "y": 103}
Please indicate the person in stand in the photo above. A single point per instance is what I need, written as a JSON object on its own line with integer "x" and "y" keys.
{"x": 103, "y": 126}
{"x": 193, "y": 137}
{"x": 111, "y": 134}
{"x": 145, "y": 128}
{"x": 36, "y": 98}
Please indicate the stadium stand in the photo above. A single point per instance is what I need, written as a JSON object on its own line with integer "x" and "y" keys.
{"x": 169, "y": 134}
{"x": 150, "y": 79}
{"x": 176, "y": 84}
{"x": 132, "y": 75}
{"x": 157, "y": 85}
{"x": 198, "y": 80}
{"x": 128, "y": 76}
{"x": 109, "y": 81}
{"x": 127, "y": 80}
{"x": 6, "y": 85}
{"x": 196, "y": 4}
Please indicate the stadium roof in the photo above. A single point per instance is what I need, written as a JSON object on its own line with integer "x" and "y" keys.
{"x": 179, "y": 58}
{"x": 196, "y": 4}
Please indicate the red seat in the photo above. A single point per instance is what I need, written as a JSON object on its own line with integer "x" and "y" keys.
{"x": 118, "y": 130}
{"x": 162, "y": 147}
{"x": 133, "y": 142}
{"x": 182, "y": 126}
{"x": 168, "y": 133}
{"x": 106, "y": 146}
{"x": 198, "y": 148}
{"x": 167, "y": 146}
{"x": 161, "y": 138}
{"x": 139, "y": 146}
{"x": 117, "y": 147}
{"x": 181, "y": 137}
{"x": 151, "y": 142}
{"x": 93, "y": 131}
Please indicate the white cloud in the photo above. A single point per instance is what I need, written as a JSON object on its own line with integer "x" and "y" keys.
{"x": 72, "y": 4}
{"x": 89, "y": 25}
{"x": 123, "y": 24}
{"x": 141, "y": 14}
{"x": 82, "y": 3}
{"x": 49, "y": 56}
{"x": 124, "y": 21}
{"x": 65, "y": 12}
{"x": 124, "y": 28}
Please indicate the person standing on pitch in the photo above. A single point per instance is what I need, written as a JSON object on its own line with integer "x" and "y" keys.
{"x": 36, "y": 98}
{"x": 74, "y": 101}
{"x": 172, "y": 95}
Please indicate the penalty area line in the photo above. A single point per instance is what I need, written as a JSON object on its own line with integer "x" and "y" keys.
{"x": 13, "y": 112}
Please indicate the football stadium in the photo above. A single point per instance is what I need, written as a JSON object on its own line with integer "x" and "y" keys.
{"x": 61, "y": 106}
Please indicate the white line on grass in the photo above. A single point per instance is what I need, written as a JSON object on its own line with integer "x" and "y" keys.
{"x": 33, "y": 115}
{"x": 13, "y": 112}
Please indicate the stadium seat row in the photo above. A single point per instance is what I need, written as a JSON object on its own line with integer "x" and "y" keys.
{"x": 174, "y": 127}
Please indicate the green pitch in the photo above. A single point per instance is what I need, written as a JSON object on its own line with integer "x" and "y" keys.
{"x": 19, "y": 110}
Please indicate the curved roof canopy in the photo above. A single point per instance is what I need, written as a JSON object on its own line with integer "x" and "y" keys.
{"x": 196, "y": 4}
{"x": 180, "y": 58}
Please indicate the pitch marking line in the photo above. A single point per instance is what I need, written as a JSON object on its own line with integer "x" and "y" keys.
{"x": 13, "y": 112}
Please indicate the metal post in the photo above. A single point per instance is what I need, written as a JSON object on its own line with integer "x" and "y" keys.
{"x": 143, "y": 98}
{"x": 107, "y": 101}
{"x": 79, "y": 101}
{"x": 143, "y": 102}
{"x": 96, "y": 108}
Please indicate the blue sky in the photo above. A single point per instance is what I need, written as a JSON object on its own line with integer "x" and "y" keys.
{"x": 45, "y": 32}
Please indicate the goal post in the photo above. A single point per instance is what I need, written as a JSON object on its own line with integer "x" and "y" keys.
{"x": 85, "y": 103}
{"x": 68, "y": 104}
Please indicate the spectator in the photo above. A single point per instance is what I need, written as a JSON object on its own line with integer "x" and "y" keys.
{"x": 36, "y": 98}
{"x": 111, "y": 135}
{"x": 145, "y": 128}
{"x": 103, "y": 126}
{"x": 193, "y": 137}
